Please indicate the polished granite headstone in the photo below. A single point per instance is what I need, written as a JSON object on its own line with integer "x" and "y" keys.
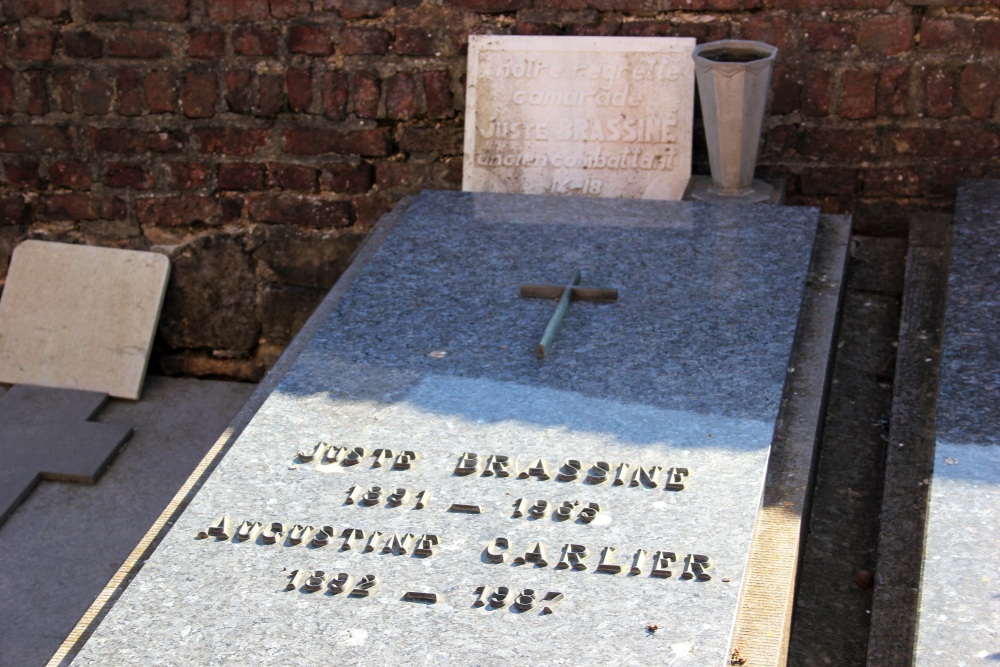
{"x": 421, "y": 488}
{"x": 959, "y": 622}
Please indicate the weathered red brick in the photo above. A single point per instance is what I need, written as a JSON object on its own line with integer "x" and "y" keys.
{"x": 237, "y": 10}
{"x": 372, "y": 142}
{"x": 411, "y": 176}
{"x": 241, "y": 176}
{"x": 255, "y": 40}
{"x": 289, "y": 9}
{"x": 370, "y": 208}
{"x": 311, "y": 39}
{"x": 239, "y": 90}
{"x": 348, "y": 178}
{"x": 95, "y": 94}
{"x": 71, "y": 174}
{"x": 231, "y": 141}
{"x": 186, "y": 175}
{"x": 939, "y": 92}
{"x": 888, "y": 35}
{"x": 771, "y": 29}
{"x": 8, "y": 96}
{"x": 38, "y": 94}
{"x": 22, "y": 174}
{"x": 177, "y": 211}
{"x": 816, "y": 97}
{"x": 82, "y": 44}
{"x": 13, "y": 210}
{"x": 857, "y": 100}
{"x": 364, "y": 41}
{"x": 946, "y": 33}
{"x": 438, "y": 94}
{"x": 129, "y": 93}
{"x": 841, "y": 144}
{"x": 413, "y": 41}
{"x": 126, "y": 175}
{"x": 950, "y": 141}
{"x": 44, "y": 9}
{"x": 132, "y": 141}
{"x": 293, "y": 176}
{"x": 62, "y": 85}
{"x": 270, "y": 95}
{"x": 335, "y": 94}
{"x": 34, "y": 45}
{"x": 829, "y": 181}
{"x": 299, "y": 210}
{"x": 145, "y": 44}
{"x": 703, "y": 31}
{"x": 786, "y": 90}
{"x": 358, "y": 9}
{"x": 33, "y": 138}
{"x": 446, "y": 140}
{"x": 988, "y": 34}
{"x": 401, "y": 96}
{"x": 828, "y": 36}
{"x": 893, "y": 91}
{"x": 199, "y": 94}
{"x": 135, "y": 10}
{"x": 978, "y": 87}
{"x": 80, "y": 206}
{"x": 892, "y": 182}
{"x": 161, "y": 91}
{"x": 298, "y": 84}
{"x": 491, "y": 6}
{"x": 366, "y": 90}
{"x": 206, "y": 45}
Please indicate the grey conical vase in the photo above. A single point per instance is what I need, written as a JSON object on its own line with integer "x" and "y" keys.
{"x": 734, "y": 81}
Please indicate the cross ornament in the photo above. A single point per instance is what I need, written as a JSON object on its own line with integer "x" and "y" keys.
{"x": 572, "y": 291}
{"x": 46, "y": 434}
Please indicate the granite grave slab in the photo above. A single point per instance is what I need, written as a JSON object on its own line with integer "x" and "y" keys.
{"x": 959, "y": 618}
{"x": 80, "y": 317}
{"x": 591, "y": 116}
{"x": 421, "y": 488}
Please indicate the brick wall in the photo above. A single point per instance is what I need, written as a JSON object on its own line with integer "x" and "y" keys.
{"x": 255, "y": 142}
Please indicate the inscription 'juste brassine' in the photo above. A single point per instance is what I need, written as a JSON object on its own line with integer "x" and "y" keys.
{"x": 571, "y": 470}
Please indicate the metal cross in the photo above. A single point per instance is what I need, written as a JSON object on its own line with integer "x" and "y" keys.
{"x": 565, "y": 293}
{"x": 46, "y": 434}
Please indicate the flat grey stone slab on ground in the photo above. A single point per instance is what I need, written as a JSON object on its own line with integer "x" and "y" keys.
{"x": 421, "y": 489}
{"x": 80, "y": 317}
{"x": 65, "y": 541}
{"x": 46, "y": 434}
{"x": 959, "y": 621}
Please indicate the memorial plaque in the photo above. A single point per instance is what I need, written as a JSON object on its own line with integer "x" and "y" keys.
{"x": 959, "y": 619}
{"x": 591, "y": 116}
{"x": 422, "y": 488}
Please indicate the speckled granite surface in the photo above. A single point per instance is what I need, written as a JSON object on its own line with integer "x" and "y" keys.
{"x": 959, "y": 620}
{"x": 432, "y": 351}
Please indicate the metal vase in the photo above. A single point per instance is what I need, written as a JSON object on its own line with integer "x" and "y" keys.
{"x": 734, "y": 81}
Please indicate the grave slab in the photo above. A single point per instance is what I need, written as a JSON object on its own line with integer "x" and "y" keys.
{"x": 80, "y": 317}
{"x": 591, "y": 116}
{"x": 421, "y": 488}
{"x": 959, "y": 618}
{"x": 46, "y": 435}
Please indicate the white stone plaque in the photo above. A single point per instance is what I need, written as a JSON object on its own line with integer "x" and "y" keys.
{"x": 592, "y": 116}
